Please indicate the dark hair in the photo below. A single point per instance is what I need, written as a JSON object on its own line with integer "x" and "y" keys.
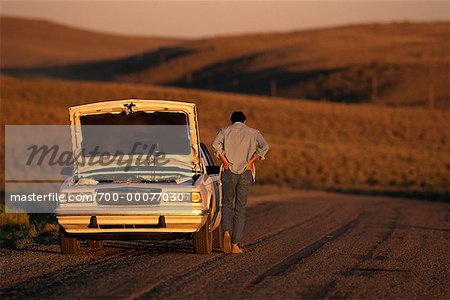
{"x": 238, "y": 116}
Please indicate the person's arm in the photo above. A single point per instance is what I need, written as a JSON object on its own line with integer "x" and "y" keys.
{"x": 261, "y": 151}
{"x": 217, "y": 144}
{"x": 251, "y": 162}
{"x": 226, "y": 164}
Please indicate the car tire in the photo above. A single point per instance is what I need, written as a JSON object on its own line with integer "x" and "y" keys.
{"x": 69, "y": 245}
{"x": 218, "y": 237}
{"x": 203, "y": 238}
{"x": 96, "y": 244}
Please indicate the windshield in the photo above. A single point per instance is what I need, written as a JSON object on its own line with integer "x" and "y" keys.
{"x": 166, "y": 132}
{"x": 139, "y": 142}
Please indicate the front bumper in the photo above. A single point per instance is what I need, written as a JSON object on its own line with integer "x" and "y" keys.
{"x": 133, "y": 223}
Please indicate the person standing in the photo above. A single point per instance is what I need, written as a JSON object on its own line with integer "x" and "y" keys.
{"x": 238, "y": 146}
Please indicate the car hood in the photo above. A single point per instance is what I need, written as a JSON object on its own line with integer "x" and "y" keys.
{"x": 192, "y": 160}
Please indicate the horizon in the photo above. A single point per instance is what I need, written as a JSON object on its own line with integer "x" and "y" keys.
{"x": 343, "y": 25}
{"x": 222, "y": 18}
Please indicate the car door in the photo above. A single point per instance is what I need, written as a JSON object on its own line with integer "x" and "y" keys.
{"x": 217, "y": 183}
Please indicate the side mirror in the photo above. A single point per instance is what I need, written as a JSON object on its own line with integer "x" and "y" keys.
{"x": 67, "y": 171}
{"x": 213, "y": 170}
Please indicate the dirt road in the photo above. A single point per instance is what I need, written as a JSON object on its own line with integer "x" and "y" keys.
{"x": 308, "y": 245}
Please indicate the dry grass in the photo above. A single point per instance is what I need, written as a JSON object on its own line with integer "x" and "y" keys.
{"x": 21, "y": 219}
{"x": 17, "y": 230}
{"x": 319, "y": 49}
{"x": 340, "y": 64}
{"x": 33, "y": 43}
{"x": 314, "y": 145}
{"x": 394, "y": 63}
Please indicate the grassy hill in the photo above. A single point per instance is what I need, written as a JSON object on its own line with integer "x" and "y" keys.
{"x": 313, "y": 145}
{"x": 37, "y": 43}
{"x": 396, "y": 64}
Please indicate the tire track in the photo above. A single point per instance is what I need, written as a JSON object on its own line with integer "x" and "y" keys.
{"x": 153, "y": 292}
{"x": 296, "y": 258}
{"x": 370, "y": 253}
{"x": 48, "y": 284}
{"x": 184, "y": 276}
{"x": 267, "y": 237}
{"x": 324, "y": 290}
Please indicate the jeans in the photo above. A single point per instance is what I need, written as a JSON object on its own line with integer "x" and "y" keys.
{"x": 235, "y": 190}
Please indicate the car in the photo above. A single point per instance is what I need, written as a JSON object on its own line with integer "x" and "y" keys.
{"x": 172, "y": 191}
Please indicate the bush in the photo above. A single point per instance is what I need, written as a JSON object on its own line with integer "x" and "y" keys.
{"x": 17, "y": 230}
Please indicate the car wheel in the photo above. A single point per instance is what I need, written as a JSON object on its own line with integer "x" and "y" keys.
{"x": 217, "y": 236}
{"x": 203, "y": 238}
{"x": 69, "y": 245}
{"x": 96, "y": 244}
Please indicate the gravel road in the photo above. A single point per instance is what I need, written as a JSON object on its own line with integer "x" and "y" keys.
{"x": 303, "y": 245}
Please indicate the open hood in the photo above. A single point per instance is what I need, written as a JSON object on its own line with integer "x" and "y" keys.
{"x": 120, "y": 115}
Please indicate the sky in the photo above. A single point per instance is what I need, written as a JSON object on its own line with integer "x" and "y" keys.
{"x": 196, "y": 19}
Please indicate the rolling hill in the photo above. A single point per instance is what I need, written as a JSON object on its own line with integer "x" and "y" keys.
{"x": 37, "y": 43}
{"x": 395, "y": 63}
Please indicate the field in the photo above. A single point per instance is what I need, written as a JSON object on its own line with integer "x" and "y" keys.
{"x": 349, "y": 147}
{"x": 396, "y": 63}
{"x": 37, "y": 43}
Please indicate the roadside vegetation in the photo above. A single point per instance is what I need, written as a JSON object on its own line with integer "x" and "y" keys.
{"x": 20, "y": 230}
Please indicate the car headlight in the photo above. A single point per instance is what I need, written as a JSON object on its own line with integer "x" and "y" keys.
{"x": 196, "y": 197}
